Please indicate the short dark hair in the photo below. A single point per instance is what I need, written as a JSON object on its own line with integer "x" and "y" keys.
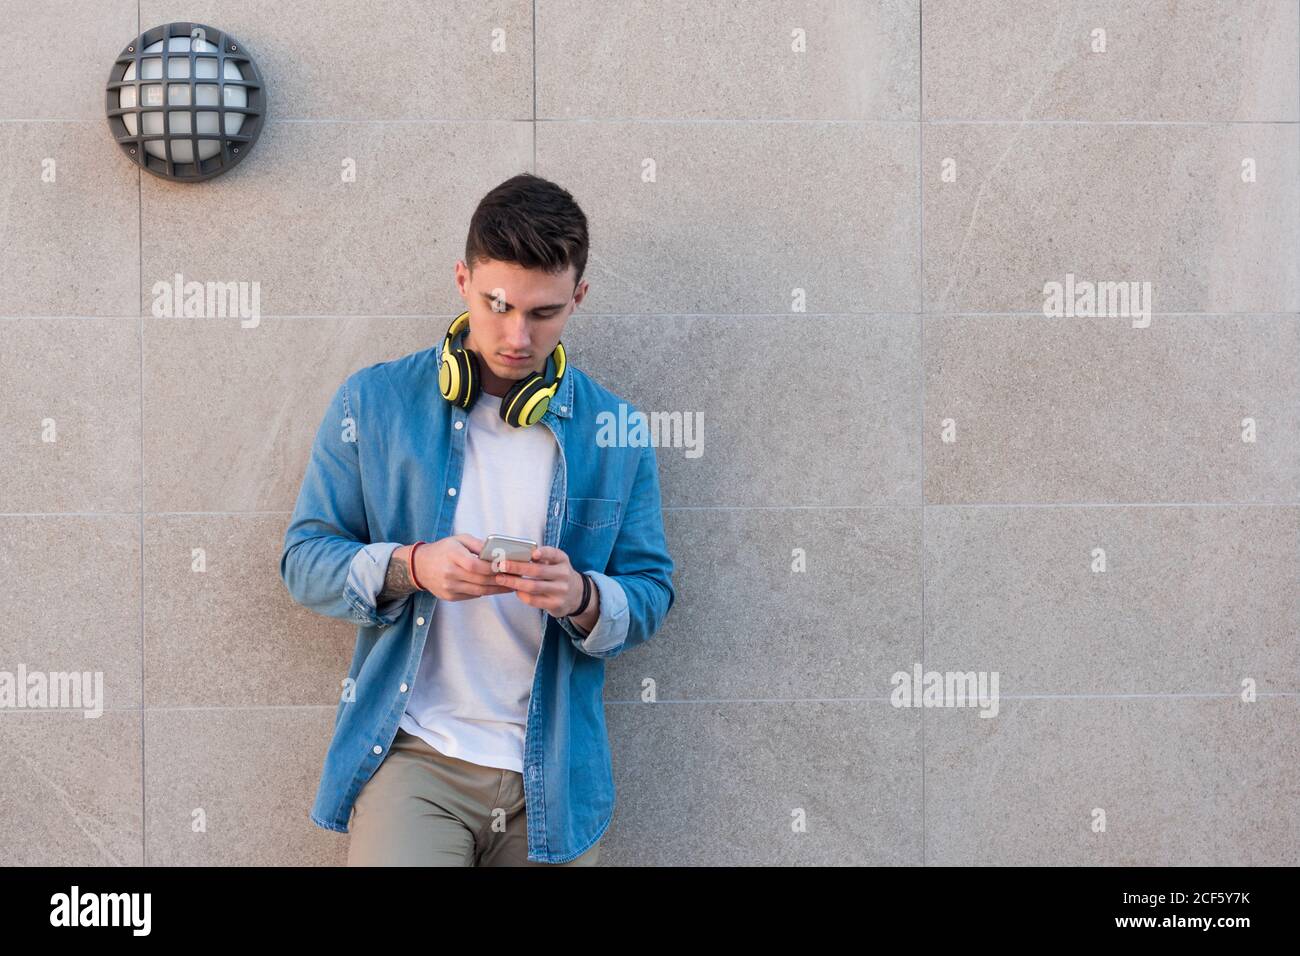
{"x": 530, "y": 221}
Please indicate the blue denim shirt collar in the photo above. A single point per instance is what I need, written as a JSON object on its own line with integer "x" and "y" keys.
{"x": 562, "y": 404}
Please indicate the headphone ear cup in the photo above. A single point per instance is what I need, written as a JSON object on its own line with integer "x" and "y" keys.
{"x": 519, "y": 407}
{"x": 449, "y": 378}
{"x": 458, "y": 378}
{"x": 471, "y": 374}
{"x": 509, "y": 401}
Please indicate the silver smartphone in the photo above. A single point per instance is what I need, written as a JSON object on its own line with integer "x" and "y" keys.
{"x": 512, "y": 549}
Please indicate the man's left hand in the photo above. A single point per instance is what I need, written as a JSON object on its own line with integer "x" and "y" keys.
{"x": 547, "y": 582}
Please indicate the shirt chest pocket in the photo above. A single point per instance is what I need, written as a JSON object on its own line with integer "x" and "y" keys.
{"x": 593, "y": 514}
{"x": 590, "y": 527}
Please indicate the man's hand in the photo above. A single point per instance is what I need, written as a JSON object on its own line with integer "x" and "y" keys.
{"x": 452, "y": 569}
{"x": 550, "y": 583}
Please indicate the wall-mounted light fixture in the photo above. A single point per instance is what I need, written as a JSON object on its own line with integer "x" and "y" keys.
{"x": 185, "y": 101}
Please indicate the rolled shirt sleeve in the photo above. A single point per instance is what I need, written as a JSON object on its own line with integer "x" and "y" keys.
{"x": 611, "y": 626}
{"x": 366, "y": 579}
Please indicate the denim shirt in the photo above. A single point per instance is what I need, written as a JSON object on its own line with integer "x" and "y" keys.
{"x": 385, "y": 468}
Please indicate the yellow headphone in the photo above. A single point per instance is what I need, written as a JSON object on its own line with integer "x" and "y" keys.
{"x": 460, "y": 379}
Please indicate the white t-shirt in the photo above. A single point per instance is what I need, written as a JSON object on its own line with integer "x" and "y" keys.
{"x": 475, "y": 678}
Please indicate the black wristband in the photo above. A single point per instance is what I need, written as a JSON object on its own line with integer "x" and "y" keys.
{"x": 586, "y": 596}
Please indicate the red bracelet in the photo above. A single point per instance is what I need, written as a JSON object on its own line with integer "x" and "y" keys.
{"x": 414, "y": 580}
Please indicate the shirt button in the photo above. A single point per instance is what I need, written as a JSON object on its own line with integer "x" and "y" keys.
{"x": 452, "y": 492}
{"x": 403, "y": 687}
{"x": 556, "y": 509}
{"x": 420, "y": 621}
{"x": 564, "y": 408}
{"x": 460, "y": 424}
{"x": 378, "y": 749}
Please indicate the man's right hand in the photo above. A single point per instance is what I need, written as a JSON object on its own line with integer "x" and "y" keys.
{"x": 452, "y": 570}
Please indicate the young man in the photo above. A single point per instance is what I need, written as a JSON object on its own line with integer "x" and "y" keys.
{"x": 471, "y": 729}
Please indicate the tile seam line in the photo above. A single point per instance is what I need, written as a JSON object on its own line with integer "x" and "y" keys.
{"x": 533, "y": 124}
{"x": 696, "y": 121}
{"x": 637, "y": 702}
{"x": 1059, "y": 506}
{"x": 733, "y": 316}
{"x": 139, "y": 205}
{"x": 921, "y": 367}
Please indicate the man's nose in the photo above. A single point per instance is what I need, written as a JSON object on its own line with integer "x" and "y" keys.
{"x": 516, "y": 335}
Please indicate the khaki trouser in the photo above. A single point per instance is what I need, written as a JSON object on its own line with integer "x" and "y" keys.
{"x": 424, "y": 808}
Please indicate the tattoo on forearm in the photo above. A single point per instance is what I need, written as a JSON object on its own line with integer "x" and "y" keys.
{"x": 397, "y": 582}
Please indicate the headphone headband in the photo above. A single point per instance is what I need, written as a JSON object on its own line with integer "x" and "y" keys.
{"x": 458, "y": 325}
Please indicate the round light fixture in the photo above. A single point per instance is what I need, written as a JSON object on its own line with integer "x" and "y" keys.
{"x": 185, "y": 101}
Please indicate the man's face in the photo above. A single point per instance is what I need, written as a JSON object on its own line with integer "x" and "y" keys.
{"x": 515, "y": 312}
